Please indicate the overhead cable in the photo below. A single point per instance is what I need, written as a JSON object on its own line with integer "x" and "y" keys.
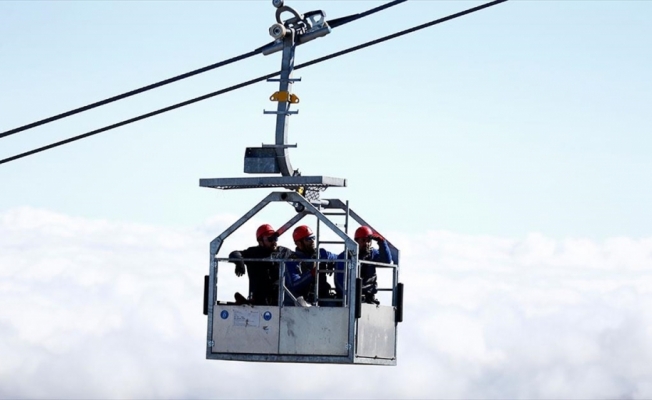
{"x": 252, "y": 81}
{"x": 335, "y": 23}
{"x": 130, "y": 93}
{"x": 140, "y": 117}
{"x": 401, "y": 33}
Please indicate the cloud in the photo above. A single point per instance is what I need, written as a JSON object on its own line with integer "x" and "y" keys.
{"x": 100, "y": 309}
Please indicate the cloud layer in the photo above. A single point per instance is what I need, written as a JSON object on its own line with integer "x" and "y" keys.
{"x": 97, "y": 309}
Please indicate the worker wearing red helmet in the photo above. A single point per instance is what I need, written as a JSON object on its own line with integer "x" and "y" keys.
{"x": 300, "y": 276}
{"x": 263, "y": 275}
{"x": 363, "y": 236}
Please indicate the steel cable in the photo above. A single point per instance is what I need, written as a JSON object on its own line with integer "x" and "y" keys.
{"x": 130, "y": 93}
{"x": 338, "y": 22}
{"x": 252, "y": 81}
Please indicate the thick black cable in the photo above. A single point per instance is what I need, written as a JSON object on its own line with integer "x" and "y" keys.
{"x": 131, "y": 93}
{"x": 335, "y": 23}
{"x": 401, "y": 33}
{"x": 140, "y": 117}
{"x": 252, "y": 81}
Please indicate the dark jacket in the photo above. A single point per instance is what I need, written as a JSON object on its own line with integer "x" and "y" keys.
{"x": 263, "y": 275}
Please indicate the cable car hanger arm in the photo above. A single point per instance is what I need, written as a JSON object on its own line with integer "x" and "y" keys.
{"x": 334, "y": 23}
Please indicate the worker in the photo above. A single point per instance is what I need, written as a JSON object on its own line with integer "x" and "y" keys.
{"x": 263, "y": 275}
{"x": 364, "y": 235}
{"x": 300, "y": 275}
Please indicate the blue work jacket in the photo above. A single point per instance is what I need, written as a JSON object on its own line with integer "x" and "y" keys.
{"x": 298, "y": 276}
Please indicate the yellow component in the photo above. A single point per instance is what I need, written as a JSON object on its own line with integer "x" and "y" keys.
{"x": 301, "y": 190}
{"x": 284, "y": 96}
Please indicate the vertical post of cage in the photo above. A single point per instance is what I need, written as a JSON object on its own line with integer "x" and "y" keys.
{"x": 317, "y": 245}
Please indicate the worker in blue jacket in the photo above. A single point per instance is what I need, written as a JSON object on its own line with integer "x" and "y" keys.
{"x": 300, "y": 271}
{"x": 363, "y": 236}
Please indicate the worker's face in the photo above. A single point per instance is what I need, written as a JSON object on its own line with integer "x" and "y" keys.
{"x": 364, "y": 244}
{"x": 269, "y": 242}
{"x": 307, "y": 245}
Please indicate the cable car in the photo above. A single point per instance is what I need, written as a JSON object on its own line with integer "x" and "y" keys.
{"x": 351, "y": 331}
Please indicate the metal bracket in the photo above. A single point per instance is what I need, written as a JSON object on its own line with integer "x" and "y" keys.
{"x": 284, "y": 96}
{"x": 288, "y": 112}
{"x": 293, "y": 146}
{"x": 290, "y": 80}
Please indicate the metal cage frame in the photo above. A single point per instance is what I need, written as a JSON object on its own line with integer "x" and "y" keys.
{"x": 307, "y": 207}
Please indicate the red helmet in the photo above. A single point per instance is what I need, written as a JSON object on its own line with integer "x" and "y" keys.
{"x": 363, "y": 232}
{"x": 264, "y": 230}
{"x": 301, "y": 232}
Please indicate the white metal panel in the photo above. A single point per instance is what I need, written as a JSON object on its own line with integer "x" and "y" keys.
{"x": 376, "y": 332}
{"x": 314, "y": 331}
{"x": 245, "y": 329}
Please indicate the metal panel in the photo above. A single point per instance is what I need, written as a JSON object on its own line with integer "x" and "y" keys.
{"x": 376, "y": 332}
{"x": 245, "y": 329}
{"x": 374, "y": 361}
{"x": 285, "y": 358}
{"x": 314, "y": 331}
{"x": 260, "y": 160}
{"x": 271, "y": 181}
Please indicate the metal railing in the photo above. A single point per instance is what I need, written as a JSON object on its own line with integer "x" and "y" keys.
{"x": 283, "y": 290}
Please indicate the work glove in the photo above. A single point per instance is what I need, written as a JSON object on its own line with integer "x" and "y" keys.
{"x": 239, "y": 268}
{"x": 239, "y": 264}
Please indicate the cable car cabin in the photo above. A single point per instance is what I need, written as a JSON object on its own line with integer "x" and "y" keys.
{"x": 347, "y": 331}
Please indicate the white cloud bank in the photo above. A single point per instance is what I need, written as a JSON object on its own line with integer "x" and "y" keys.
{"x": 94, "y": 309}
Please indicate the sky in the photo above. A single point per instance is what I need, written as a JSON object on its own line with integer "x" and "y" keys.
{"x": 506, "y": 153}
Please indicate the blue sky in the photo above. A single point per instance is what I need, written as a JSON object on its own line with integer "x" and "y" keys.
{"x": 511, "y": 145}
{"x": 529, "y": 116}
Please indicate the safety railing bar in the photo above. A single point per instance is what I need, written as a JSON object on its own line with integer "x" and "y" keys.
{"x": 284, "y": 261}
{"x": 317, "y": 250}
{"x": 276, "y": 260}
{"x": 379, "y": 264}
{"x": 299, "y": 260}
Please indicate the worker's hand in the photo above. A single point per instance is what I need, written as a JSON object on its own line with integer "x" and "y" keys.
{"x": 329, "y": 266}
{"x": 239, "y": 268}
{"x": 377, "y": 237}
{"x": 239, "y": 264}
